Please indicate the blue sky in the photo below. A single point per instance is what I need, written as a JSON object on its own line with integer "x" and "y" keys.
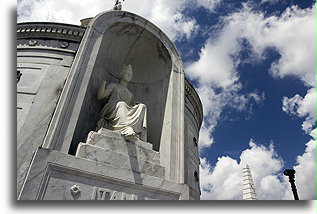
{"x": 253, "y": 64}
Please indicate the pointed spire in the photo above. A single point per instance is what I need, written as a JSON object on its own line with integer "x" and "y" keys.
{"x": 248, "y": 185}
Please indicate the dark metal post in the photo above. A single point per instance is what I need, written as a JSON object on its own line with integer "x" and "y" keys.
{"x": 291, "y": 175}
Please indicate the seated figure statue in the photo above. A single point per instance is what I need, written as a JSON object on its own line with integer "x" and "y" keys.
{"x": 120, "y": 113}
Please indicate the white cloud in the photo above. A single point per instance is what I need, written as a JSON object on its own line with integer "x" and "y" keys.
{"x": 215, "y": 66}
{"x": 305, "y": 176}
{"x": 209, "y": 4}
{"x": 292, "y": 34}
{"x": 168, "y": 16}
{"x": 165, "y": 14}
{"x": 257, "y": 97}
{"x": 263, "y": 160}
{"x": 302, "y": 107}
{"x": 213, "y": 104}
{"x": 224, "y": 181}
{"x": 205, "y": 138}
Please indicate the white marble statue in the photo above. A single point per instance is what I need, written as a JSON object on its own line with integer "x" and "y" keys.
{"x": 120, "y": 113}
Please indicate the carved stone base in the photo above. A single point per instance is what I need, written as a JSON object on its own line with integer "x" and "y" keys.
{"x": 58, "y": 176}
{"x": 108, "y": 147}
{"x": 113, "y": 141}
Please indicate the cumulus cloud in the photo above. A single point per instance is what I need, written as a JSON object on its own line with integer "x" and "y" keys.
{"x": 302, "y": 107}
{"x": 165, "y": 14}
{"x": 221, "y": 182}
{"x": 214, "y": 102}
{"x": 224, "y": 180}
{"x": 291, "y": 34}
{"x": 293, "y": 37}
{"x": 216, "y": 66}
{"x": 305, "y": 177}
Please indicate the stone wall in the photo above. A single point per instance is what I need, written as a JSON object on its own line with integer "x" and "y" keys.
{"x": 45, "y": 53}
{"x": 193, "y": 120}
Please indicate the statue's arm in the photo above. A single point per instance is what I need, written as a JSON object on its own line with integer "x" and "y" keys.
{"x": 104, "y": 91}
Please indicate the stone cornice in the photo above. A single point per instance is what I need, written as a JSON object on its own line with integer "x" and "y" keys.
{"x": 191, "y": 93}
{"x": 49, "y": 30}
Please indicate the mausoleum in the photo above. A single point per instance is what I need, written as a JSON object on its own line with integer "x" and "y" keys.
{"x": 104, "y": 112}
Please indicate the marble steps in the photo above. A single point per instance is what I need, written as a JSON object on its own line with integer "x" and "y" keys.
{"x": 110, "y": 148}
{"x": 113, "y": 141}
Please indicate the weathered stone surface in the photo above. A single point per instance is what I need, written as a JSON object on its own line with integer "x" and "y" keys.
{"x": 58, "y": 176}
{"x": 192, "y": 122}
{"x": 125, "y": 148}
{"x": 44, "y": 59}
{"x": 110, "y": 148}
{"x": 111, "y": 158}
{"x": 38, "y": 91}
{"x": 112, "y": 138}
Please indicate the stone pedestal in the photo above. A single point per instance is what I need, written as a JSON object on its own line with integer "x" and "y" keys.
{"x": 58, "y": 176}
{"x": 111, "y": 148}
{"x": 106, "y": 167}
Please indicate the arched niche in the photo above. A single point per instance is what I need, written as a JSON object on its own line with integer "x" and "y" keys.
{"x": 122, "y": 44}
{"x": 113, "y": 39}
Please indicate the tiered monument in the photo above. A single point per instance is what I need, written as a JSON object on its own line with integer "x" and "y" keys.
{"x": 248, "y": 185}
{"x": 104, "y": 112}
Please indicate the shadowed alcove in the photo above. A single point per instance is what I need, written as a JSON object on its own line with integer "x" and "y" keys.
{"x": 121, "y": 44}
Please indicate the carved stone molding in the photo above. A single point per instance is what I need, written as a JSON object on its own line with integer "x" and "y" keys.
{"x": 32, "y": 42}
{"x": 50, "y": 30}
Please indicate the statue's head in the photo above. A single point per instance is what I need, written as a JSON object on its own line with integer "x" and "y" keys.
{"x": 126, "y": 73}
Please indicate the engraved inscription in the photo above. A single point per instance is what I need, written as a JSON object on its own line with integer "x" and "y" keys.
{"x": 107, "y": 194}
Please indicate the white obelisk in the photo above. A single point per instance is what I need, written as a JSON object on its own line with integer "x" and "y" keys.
{"x": 248, "y": 185}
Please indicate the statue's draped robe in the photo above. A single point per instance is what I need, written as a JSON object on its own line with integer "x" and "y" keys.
{"x": 120, "y": 112}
